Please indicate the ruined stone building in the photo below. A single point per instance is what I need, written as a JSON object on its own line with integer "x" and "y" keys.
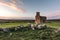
{"x": 39, "y": 19}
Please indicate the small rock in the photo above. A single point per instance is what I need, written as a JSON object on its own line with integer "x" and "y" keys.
{"x": 21, "y": 26}
{"x": 39, "y": 26}
{"x": 10, "y": 34}
{"x": 44, "y": 26}
{"x": 32, "y": 26}
{"x": 16, "y": 29}
{"x": 5, "y": 29}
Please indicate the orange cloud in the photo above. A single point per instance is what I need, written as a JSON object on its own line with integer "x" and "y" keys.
{"x": 12, "y": 5}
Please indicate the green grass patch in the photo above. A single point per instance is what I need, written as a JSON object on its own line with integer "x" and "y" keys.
{"x": 53, "y": 24}
{"x": 42, "y": 34}
{"x": 14, "y": 24}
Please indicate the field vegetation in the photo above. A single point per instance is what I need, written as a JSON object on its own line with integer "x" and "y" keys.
{"x": 15, "y": 24}
{"x": 53, "y": 24}
{"x": 37, "y": 34}
{"x": 49, "y": 33}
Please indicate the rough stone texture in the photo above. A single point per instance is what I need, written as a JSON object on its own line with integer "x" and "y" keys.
{"x": 39, "y": 19}
{"x": 39, "y": 26}
{"x": 5, "y": 29}
{"x": 32, "y": 26}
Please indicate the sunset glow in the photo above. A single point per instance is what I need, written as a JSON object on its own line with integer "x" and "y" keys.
{"x": 7, "y": 8}
{"x": 28, "y": 8}
{"x": 10, "y": 5}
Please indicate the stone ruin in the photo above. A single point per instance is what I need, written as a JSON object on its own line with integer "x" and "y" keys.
{"x": 39, "y": 19}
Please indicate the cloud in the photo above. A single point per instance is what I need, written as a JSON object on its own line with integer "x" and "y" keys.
{"x": 53, "y": 15}
{"x": 14, "y": 4}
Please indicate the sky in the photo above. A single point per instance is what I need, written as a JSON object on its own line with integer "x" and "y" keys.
{"x": 26, "y": 9}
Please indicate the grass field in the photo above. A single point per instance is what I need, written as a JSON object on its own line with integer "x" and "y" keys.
{"x": 37, "y": 34}
{"x": 53, "y": 24}
{"x": 15, "y": 24}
